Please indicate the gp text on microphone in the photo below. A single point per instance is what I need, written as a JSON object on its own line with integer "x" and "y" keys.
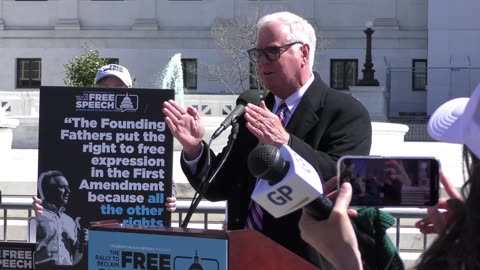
{"x": 322, "y": 125}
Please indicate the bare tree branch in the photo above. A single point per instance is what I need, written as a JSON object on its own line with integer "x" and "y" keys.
{"x": 234, "y": 36}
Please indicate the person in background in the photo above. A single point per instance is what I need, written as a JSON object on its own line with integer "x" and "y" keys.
{"x": 317, "y": 122}
{"x": 394, "y": 177}
{"x": 113, "y": 76}
{"x": 455, "y": 219}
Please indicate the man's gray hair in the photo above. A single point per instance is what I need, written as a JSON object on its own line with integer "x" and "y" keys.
{"x": 300, "y": 29}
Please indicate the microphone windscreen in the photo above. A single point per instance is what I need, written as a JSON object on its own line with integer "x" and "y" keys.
{"x": 265, "y": 161}
{"x": 249, "y": 96}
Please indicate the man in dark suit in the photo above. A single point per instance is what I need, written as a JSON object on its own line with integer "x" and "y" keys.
{"x": 322, "y": 125}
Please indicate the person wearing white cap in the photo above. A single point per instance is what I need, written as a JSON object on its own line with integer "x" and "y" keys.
{"x": 113, "y": 76}
{"x": 455, "y": 219}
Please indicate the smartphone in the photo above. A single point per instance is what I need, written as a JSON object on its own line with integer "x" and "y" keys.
{"x": 391, "y": 181}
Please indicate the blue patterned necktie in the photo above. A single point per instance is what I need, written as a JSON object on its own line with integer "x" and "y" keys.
{"x": 255, "y": 217}
{"x": 281, "y": 112}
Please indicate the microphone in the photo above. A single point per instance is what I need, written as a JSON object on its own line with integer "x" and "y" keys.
{"x": 249, "y": 96}
{"x": 292, "y": 182}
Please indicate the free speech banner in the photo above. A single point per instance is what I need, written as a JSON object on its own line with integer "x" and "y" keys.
{"x": 124, "y": 250}
{"x": 16, "y": 255}
{"x": 114, "y": 148}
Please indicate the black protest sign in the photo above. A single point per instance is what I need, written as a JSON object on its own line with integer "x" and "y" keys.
{"x": 106, "y": 154}
{"x": 17, "y": 255}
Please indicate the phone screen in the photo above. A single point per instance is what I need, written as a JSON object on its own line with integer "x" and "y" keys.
{"x": 391, "y": 181}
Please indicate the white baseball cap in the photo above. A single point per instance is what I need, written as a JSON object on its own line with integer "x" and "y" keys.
{"x": 114, "y": 70}
{"x": 458, "y": 121}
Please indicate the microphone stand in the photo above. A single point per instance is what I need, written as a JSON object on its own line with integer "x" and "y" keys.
{"x": 205, "y": 184}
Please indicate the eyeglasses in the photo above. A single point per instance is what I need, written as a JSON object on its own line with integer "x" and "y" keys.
{"x": 271, "y": 53}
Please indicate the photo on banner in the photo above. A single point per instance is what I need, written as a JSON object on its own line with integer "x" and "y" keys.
{"x": 103, "y": 154}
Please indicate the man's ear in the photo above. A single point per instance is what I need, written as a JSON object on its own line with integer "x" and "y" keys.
{"x": 305, "y": 50}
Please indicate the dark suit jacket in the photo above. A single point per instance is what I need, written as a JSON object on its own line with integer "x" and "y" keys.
{"x": 326, "y": 125}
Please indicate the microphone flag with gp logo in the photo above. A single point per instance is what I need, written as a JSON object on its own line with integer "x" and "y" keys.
{"x": 290, "y": 182}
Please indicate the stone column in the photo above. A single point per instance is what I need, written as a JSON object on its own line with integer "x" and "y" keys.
{"x": 2, "y": 25}
{"x": 374, "y": 98}
{"x": 147, "y": 16}
{"x": 68, "y": 10}
{"x": 388, "y": 11}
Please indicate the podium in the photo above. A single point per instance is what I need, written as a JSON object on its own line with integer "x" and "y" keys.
{"x": 121, "y": 246}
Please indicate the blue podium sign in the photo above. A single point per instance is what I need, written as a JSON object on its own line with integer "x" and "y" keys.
{"x": 109, "y": 250}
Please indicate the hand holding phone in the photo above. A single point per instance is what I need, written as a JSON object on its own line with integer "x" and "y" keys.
{"x": 391, "y": 181}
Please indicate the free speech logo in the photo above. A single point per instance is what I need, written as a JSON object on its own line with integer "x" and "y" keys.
{"x": 126, "y": 102}
{"x": 106, "y": 102}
